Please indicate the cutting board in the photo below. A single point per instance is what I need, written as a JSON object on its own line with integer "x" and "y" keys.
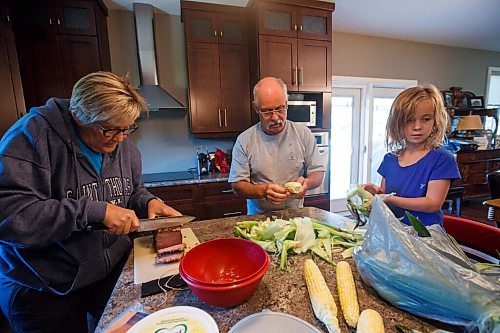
{"x": 145, "y": 269}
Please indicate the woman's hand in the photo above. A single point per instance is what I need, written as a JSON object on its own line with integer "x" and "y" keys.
{"x": 120, "y": 220}
{"x": 159, "y": 208}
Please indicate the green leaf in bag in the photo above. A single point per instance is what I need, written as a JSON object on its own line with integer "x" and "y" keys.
{"x": 419, "y": 226}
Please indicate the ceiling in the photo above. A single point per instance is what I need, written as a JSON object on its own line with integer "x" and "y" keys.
{"x": 461, "y": 23}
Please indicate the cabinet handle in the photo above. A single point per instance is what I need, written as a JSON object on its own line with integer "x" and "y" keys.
{"x": 215, "y": 33}
{"x": 225, "y": 117}
{"x": 58, "y": 22}
{"x": 220, "y": 122}
{"x": 300, "y": 28}
{"x": 301, "y": 77}
{"x": 227, "y": 191}
{"x": 7, "y": 18}
{"x": 220, "y": 33}
{"x": 295, "y": 27}
{"x": 294, "y": 74}
{"x": 50, "y": 21}
{"x": 232, "y": 213}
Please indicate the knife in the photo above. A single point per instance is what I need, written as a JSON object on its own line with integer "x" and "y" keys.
{"x": 156, "y": 223}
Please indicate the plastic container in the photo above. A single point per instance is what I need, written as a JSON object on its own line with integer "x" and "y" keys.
{"x": 269, "y": 321}
{"x": 176, "y": 319}
{"x": 224, "y": 261}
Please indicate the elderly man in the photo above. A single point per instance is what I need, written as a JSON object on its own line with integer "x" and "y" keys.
{"x": 273, "y": 152}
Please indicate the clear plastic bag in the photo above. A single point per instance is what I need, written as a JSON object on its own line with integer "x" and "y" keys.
{"x": 425, "y": 275}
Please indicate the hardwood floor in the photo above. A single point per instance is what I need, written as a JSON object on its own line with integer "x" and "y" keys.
{"x": 476, "y": 211}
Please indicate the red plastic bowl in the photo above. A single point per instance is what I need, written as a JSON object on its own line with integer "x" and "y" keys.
{"x": 225, "y": 295}
{"x": 224, "y": 261}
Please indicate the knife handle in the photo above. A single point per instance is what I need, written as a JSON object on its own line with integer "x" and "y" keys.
{"x": 96, "y": 226}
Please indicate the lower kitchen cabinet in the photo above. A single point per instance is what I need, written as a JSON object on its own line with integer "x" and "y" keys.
{"x": 205, "y": 200}
{"x": 321, "y": 201}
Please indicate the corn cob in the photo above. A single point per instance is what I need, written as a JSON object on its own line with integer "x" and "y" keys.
{"x": 347, "y": 294}
{"x": 321, "y": 298}
{"x": 370, "y": 321}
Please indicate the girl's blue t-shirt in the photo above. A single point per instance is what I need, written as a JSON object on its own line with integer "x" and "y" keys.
{"x": 412, "y": 181}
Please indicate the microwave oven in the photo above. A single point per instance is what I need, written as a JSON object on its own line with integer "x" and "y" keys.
{"x": 303, "y": 112}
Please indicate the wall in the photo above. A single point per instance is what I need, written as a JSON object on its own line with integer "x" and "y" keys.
{"x": 444, "y": 66}
{"x": 163, "y": 138}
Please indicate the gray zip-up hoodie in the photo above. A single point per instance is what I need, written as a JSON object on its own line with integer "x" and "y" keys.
{"x": 50, "y": 194}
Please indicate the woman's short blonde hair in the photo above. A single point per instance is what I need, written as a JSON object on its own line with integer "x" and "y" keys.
{"x": 105, "y": 97}
{"x": 403, "y": 111}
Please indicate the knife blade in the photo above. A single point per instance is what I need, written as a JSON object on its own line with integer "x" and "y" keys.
{"x": 163, "y": 222}
{"x": 146, "y": 225}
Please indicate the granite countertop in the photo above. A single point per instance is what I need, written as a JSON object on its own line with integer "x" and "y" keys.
{"x": 279, "y": 291}
{"x": 181, "y": 178}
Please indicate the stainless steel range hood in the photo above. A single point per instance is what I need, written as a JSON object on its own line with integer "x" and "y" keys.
{"x": 156, "y": 97}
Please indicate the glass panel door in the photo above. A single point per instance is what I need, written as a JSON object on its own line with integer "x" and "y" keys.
{"x": 382, "y": 102}
{"x": 345, "y": 143}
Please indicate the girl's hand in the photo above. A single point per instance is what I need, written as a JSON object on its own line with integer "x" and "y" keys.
{"x": 372, "y": 188}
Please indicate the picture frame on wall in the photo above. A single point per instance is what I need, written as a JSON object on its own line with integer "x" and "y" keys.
{"x": 448, "y": 99}
{"x": 475, "y": 102}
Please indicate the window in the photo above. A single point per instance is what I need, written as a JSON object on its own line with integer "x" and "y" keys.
{"x": 492, "y": 94}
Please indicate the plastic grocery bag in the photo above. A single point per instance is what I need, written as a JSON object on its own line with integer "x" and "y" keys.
{"x": 425, "y": 275}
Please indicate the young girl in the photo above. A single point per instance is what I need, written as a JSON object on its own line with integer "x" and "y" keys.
{"x": 417, "y": 169}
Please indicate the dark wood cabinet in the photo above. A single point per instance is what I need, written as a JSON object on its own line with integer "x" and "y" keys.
{"x": 11, "y": 92}
{"x": 204, "y": 200}
{"x": 218, "y": 68}
{"x": 321, "y": 201}
{"x": 58, "y": 42}
{"x": 474, "y": 166}
{"x": 295, "y": 43}
{"x": 294, "y": 21}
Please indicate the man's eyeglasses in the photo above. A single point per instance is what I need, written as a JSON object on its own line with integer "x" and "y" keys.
{"x": 269, "y": 113}
{"x": 112, "y": 132}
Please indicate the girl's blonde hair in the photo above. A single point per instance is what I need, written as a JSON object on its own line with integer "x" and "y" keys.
{"x": 105, "y": 97}
{"x": 403, "y": 111}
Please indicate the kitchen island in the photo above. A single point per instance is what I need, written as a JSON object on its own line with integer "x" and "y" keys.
{"x": 279, "y": 291}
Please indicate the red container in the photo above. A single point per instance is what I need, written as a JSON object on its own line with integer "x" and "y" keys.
{"x": 224, "y": 272}
{"x": 224, "y": 261}
{"x": 226, "y": 295}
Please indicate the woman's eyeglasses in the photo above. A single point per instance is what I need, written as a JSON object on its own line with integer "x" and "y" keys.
{"x": 269, "y": 113}
{"x": 112, "y": 132}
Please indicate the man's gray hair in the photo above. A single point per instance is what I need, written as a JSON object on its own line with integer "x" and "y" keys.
{"x": 257, "y": 87}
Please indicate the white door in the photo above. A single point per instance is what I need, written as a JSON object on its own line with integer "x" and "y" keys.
{"x": 359, "y": 114}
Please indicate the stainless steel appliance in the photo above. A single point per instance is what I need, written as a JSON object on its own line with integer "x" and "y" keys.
{"x": 303, "y": 112}
{"x": 323, "y": 141}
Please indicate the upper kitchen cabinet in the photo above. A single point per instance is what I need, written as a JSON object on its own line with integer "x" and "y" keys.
{"x": 213, "y": 27}
{"x": 294, "y": 21}
{"x": 294, "y": 43}
{"x": 58, "y": 42}
{"x": 11, "y": 92}
{"x": 218, "y": 69}
{"x": 60, "y": 16}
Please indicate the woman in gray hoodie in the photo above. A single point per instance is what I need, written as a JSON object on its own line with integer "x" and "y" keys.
{"x": 64, "y": 167}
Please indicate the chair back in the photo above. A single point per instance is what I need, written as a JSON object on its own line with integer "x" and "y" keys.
{"x": 476, "y": 235}
{"x": 493, "y": 179}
